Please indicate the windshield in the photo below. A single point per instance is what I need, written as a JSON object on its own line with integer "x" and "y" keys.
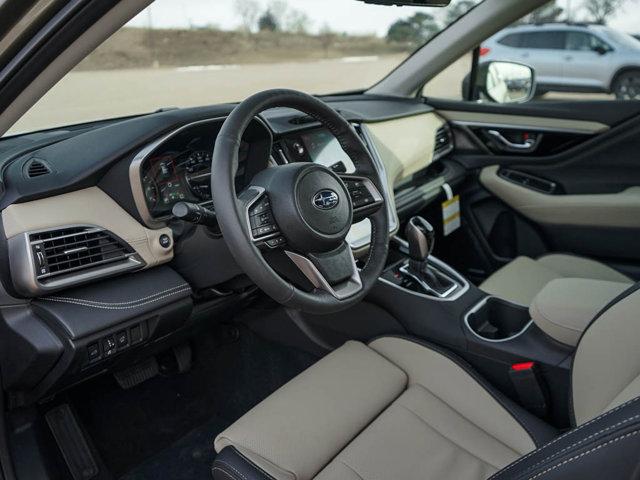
{"x": 183, "y": 53}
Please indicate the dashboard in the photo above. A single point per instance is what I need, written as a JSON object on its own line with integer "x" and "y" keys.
{"x": 168, "y": 159}
{"x": 98, "y": 224}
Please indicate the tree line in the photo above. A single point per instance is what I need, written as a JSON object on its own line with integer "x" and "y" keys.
{"x": 278, "y": 16}
{"x": 421, "y": 26}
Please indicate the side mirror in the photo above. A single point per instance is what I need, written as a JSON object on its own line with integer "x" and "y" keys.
{"x": 506, "y": 82}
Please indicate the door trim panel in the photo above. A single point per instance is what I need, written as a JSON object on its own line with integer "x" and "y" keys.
{"x": 542, "y": 124}
{"x": 621, "y": 210}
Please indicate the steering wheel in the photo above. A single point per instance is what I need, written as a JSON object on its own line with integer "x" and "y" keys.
{"x": 302, "y": 210}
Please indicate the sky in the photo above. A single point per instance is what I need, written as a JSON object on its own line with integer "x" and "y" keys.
{"x": 341, "y": 15}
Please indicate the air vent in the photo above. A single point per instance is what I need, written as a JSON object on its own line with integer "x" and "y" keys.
{"x": 64, "y": 251}
{"x": 444, "y": 142}
{"x": 302, "y": 120}
{"x": 36, "y": 168}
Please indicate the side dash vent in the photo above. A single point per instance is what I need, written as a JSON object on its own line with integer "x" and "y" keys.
{"x": 78, "y": 250}
{"x": 36, "y": 168}
{"x": 444, "y": 142}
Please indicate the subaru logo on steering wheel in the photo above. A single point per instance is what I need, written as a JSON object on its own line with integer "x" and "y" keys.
{"x": 326, "y": 199}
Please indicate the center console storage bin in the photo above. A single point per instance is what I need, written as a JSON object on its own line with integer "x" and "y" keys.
{"x": 497, "y": 320}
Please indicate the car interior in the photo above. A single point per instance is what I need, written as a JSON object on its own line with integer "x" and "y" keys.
{"x": 367, "y": 285}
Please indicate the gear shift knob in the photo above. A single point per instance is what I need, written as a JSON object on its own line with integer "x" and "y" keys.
{"x": 421, "y": 237}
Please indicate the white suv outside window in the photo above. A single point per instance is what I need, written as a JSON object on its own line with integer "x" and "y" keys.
{"x": 576, "y": 58}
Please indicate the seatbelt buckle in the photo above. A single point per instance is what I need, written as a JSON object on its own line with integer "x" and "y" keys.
{"x": 529, "y": 387}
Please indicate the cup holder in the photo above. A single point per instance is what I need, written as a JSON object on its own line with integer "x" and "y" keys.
{"x": 496, "y": 320}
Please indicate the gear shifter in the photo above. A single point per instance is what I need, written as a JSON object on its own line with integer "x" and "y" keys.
{"x": 421, "y": 237}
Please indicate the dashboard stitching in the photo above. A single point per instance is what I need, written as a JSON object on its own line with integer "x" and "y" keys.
{"x": 122, "y": 305}
{"x": 127, "y": 307}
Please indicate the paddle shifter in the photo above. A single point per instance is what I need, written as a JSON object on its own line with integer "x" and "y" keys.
{"x": 421, "y": 237}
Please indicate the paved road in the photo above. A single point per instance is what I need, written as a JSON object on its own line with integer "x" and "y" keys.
{"x": 85, "y": 96}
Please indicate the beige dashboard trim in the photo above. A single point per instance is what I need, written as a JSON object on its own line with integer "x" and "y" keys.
{"x": 523, "y": 121}
{"x": 405, "y": 145}
{"x": 90, "y": 206}
{"x": 620, "y": 210}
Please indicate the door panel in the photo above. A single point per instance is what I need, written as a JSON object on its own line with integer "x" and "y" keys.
{"x": 615, "y": 210}
{"x": 582, "y": 199}
{"x": 609, "y": 113}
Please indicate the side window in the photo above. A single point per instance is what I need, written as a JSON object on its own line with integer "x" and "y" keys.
{"x": 543, "y": 40}
{"x": 512, "y": 40}
{"x": 586, "y": 42}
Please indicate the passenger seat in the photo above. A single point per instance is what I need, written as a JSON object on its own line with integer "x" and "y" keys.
{"x": 521, "y": 279}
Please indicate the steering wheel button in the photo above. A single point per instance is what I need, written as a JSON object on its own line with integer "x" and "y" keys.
{"x": 276, "y": 242}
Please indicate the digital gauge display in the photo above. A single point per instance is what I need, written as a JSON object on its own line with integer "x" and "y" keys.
{"x": 181, "y": 176}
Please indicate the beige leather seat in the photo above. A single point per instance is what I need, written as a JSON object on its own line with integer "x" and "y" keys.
{"x": 520, "y": 280}
{"x": 397, "y": 409}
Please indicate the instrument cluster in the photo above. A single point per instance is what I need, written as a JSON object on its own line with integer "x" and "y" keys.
{"x": 181, "y": 175}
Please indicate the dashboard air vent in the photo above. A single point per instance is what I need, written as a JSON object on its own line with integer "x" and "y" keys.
{"x": 444, "y": 142}
{"x": 67, "y": 250}
{"x": 37, "y": 168}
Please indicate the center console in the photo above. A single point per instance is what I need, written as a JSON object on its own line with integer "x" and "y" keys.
{"x": 434, "y": 302}
{"x": 420, "y": 272}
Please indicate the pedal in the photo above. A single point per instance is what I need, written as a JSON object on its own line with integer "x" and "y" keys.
{"x": 183, "y": 357}
{"x": 175, "y": 361}
{"x": 72, "y": 443}
{"x": 137, "y": 374}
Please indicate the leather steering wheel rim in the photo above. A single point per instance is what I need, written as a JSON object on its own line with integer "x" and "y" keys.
{"x": 231, "y": 209}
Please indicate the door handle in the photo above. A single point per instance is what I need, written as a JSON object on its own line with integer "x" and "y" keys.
{"x": 527, "y": 146}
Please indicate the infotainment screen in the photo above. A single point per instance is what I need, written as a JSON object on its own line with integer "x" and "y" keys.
{"x": 323, "y": 148}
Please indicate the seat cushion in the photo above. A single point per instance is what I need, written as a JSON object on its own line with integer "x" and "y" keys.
{"x": 521, "y": 279}
{"x": 296, "y": 431}
{"x": 418, "y": 413}
{"x": 420, "y": 436}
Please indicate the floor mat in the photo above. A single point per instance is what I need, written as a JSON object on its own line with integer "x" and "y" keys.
{"x": 154, "y": 429}
{"x": 190, "y": 458}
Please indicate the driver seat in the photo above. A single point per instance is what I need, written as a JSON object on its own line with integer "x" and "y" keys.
{"x": 399, "y": 409}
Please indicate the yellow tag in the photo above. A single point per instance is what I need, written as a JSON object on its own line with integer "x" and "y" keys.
{"x": 451, "y": 219}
